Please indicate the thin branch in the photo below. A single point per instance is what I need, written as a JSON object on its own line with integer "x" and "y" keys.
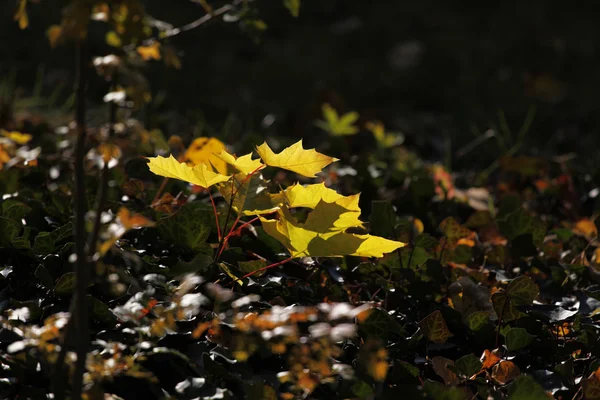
{"x": 212, "y": 201}
{"x": 202, "y": 20}
{"x": 277, "y": 264}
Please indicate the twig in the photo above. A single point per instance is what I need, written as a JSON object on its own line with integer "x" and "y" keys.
{"x": 277, "y": 264}
{"x": 212, "y": 201}
{"x": 160, "y": 190}
{"x": 200, "y": 21}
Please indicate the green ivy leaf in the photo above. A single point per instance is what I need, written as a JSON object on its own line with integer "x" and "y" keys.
{"x": 504, "y": 308}
{"x": 247, "y": 267}
{"x": 477, "y": 320}
{"x": 468, "y": 365}
{"x": 526, "y": 388}
{"x": 435, "y": 328}
{"x": 199, "y": 264}
{"x": 65, "y": 284}
{"x": 382, "y": 219}
{"x": 47, "y": 242}
{"x": 189, "y": 227}
{"x": 522, "y": 291}
{"x": 9, "y": 230}
{"x": 381, "y": 325}
{"x": 14, "y": 209}
{"x": 438, "y": 391}
{"x": 517, "y": 338}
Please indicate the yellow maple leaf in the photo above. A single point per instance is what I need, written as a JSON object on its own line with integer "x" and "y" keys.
{"x": 338, "y": 125}
{"x": 243, "y": 163}
{"x": 17, "y": 137}
{"x": 318, "y": 237}
{"x": 309, "y": 196}
{"x": 306, "y": 162}
{"x": 250, "y": 195}
{"x": 205, "y": 150}
{"x": 199, "y": 175}
{"x": 150, "y": 52}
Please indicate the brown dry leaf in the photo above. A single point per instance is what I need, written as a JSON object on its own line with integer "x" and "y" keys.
{"x": 440, "y": 366}
{"x": 133, "y": 221}
{"x": 505, "y": 371}
{"x": 489, "y": 359}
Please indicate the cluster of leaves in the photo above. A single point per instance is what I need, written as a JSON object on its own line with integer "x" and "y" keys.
{"x": 226, "y": 277}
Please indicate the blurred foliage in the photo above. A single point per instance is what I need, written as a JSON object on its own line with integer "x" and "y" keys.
{"x": 203, "y": 285}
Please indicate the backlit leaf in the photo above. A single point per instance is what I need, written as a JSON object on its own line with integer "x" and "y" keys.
{"x": 206, "y": 150}
{"x": 17, "y": 137}
{"x": 306, "y": 162}
{"x": 293, "y": 6}
{"x": 250, "y": 195}
{"x": 316, "y": 238}
{"x": 199, "y": 175}
{"x": 310, "y": 195}
{"x": 336, "y": 125}
{"x": 243, "y": 163}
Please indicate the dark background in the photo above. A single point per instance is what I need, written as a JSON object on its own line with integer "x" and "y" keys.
{"x": 440, "y": 72}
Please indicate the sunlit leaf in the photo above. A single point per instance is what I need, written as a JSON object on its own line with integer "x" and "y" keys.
{"x": 293, "y": 6}
{"x": 489, "y": 359}
{"x": 295, "y": 158}
{"x": 205, "y": 150}
{"x": 384, "y": 139}
{"x": 243, "y": 163}
{"x": 17, "y": 137}
{"x": 309, "y": 196}
{"x": 149, "y": 52}
{"x": 21, "y": 14}
{"x": 586, "y": 227}
{"x": 199, "y": 175}
{"x": 250, "y": 195}
{"x": 336, "y": 125}
{"x": 316, "y": 238}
